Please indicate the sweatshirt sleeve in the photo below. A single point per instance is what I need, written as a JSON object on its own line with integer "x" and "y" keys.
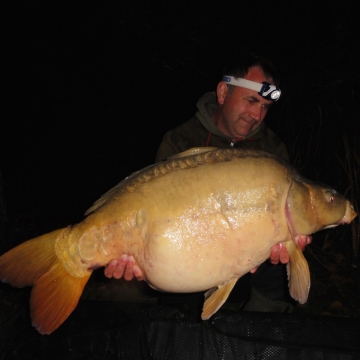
{"x": 183, "y": 137}
{"x": 168, "y": 147}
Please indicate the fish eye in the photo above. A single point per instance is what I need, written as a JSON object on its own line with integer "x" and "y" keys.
{"x": 330, "y": 196}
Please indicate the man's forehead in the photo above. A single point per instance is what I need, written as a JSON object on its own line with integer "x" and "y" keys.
{"x": 252, "y": 95}
{"x": 256, "y": 74}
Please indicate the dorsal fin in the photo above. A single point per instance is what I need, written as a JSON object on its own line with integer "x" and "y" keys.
{"x": 193, "y": 151}
{"x": 137, "y": 178}
{"x": 188, "y": 159}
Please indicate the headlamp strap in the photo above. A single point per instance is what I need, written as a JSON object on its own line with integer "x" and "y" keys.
{"x": 266, "y": 90}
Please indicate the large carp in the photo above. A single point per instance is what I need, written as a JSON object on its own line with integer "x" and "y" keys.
{"x": 197, "y": 221}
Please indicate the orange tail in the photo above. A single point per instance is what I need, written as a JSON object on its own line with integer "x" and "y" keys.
{"x": 55, "y": 292}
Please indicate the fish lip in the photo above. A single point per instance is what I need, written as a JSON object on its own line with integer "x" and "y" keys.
{"x": 350, "y": 214}
{"x": 342, "y": 222}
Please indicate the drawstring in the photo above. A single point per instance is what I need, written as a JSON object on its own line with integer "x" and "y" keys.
{"x": 232, "y": 141}
{"x": 208, "y": 139}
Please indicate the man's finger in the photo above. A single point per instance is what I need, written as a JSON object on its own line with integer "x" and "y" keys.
{"x": 138, "y": 273}
{"x": 109, "y": 270}
{"x": 283, "y": 254}
{"x": 274, "y": 255}
{"x": 120, "y": 267}
{"x": 253, "y": 270}
{"x": 129, "y": 268}
{"x": 303, "y": 241}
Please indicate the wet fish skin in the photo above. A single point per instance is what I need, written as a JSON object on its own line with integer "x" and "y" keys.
{"x": 198, "y": 221}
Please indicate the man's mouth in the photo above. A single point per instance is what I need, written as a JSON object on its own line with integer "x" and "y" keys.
{"x": 248, "y": 121}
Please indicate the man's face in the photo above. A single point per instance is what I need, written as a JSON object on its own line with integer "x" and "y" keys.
{"x": 242, "y": 111}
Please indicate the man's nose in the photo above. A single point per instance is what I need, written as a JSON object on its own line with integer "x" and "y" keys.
{"x": 256, "y": 112}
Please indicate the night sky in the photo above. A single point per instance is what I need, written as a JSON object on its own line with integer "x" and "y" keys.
{"x": 91, "y": 90}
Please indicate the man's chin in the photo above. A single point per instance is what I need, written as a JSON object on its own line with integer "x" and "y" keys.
{"x": 246, "y": 129}
{"x": 244, "y": 132}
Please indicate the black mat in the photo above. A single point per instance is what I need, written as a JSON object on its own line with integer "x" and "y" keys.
{"x": 116, "y": 330}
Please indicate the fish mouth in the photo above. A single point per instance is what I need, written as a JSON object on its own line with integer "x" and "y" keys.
{"x": 350, "y": 214}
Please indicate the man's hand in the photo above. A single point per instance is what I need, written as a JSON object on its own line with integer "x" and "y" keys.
{"x": 125, "y": 266}
{"x": 280, "y": 254}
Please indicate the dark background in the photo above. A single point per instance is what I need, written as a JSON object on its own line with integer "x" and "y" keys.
{"x": 93, "y": 88}
{"x": 90, "y": 90}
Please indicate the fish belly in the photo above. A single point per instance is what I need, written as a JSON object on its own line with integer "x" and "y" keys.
{"x": 189, "y": 255}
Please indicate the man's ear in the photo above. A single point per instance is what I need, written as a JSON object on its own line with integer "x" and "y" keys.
{"x": 221, "y": 92}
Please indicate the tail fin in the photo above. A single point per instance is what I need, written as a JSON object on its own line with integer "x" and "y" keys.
{"x": 55, "y": 292}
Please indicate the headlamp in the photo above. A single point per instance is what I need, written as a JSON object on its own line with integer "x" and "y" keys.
{"x": 266, "y": 90}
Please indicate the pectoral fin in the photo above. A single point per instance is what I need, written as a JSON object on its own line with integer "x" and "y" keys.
{"x": 298, "y": 273}
{"x": 215, "y": 298}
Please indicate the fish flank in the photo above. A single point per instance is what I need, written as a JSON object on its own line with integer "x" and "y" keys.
{"x": 179, "y": 163}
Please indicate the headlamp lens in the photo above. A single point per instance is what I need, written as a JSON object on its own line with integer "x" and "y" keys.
{"x": 270, "y": 92}
{"x": 275, "y": 94}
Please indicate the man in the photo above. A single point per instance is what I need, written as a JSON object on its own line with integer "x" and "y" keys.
{"x": 233, "y": 116}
